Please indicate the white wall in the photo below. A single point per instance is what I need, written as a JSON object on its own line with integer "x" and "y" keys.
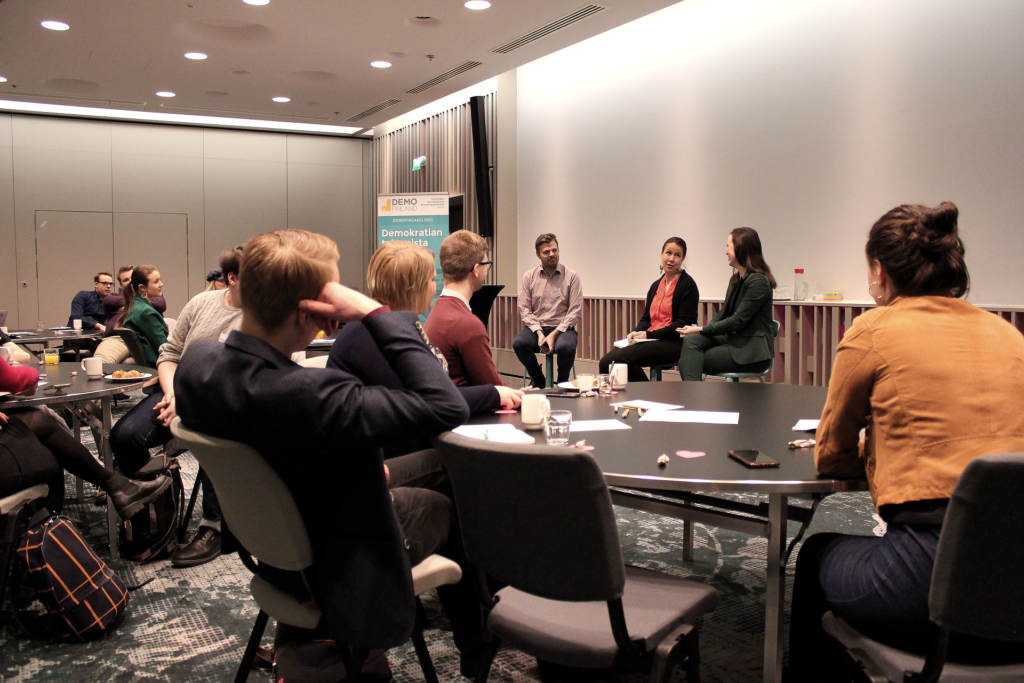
{"x": 804, "y": 119}
{"x": 229, "y": 186}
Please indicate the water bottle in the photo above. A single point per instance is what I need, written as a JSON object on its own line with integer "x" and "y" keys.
{"x": 799, "y": 292}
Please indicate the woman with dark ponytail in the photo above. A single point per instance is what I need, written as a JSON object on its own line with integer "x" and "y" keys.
{"x": 933, "y": 382}
{"x": 139, "y": 314}
{"x": 741, "y": 338}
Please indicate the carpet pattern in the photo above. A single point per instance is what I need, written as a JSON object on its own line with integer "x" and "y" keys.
{"x": 192, "y": 624}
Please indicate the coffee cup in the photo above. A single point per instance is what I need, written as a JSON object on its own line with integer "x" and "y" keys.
{"x": 535, "y": 409}
{"x": 619, "y": 374}
{"x": 76, "y": 323}
{"x": 93, "y": 367}
{"x": 5, "y": 354}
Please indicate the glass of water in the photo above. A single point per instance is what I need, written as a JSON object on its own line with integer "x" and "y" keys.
{"x": 559, "y": 422}
{"x": 604, "y": 385}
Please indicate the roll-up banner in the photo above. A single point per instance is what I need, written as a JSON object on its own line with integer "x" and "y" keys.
{"x": 420, "y": 218}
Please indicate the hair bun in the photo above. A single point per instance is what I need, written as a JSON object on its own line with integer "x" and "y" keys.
{"x": 936, "y": 232}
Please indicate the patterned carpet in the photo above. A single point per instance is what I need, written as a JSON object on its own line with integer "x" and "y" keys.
{"x": 192, "y": 624}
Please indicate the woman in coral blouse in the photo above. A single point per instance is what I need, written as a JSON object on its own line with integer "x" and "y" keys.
{"x": 934, "y": 382}
{"x": 671, "y": 303}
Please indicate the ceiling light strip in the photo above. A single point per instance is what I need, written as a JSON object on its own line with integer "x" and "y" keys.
{"x": 556, "y": 25}
{"x": 241, "y": 111}
{"x": 463, "y": 68}
{"x": 373, "y": 110}
{"x": 90, "y": 100}
{"x": 185, "y": 119}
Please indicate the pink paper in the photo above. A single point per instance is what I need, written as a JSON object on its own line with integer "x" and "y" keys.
{"x": 691, "y": 454}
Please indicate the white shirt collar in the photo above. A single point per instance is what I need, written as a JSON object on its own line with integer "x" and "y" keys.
{"x": 450, "y": 292}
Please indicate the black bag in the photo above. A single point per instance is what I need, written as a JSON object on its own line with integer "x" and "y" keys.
{"x": 321, "y": 662}
{"x": 152, "y": 533}
{"x": 83, "y": 598}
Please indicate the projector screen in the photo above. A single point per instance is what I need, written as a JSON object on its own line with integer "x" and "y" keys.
{"x": 806, "y": 120}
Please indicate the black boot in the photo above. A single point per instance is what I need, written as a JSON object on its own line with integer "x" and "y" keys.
{"x": 131, "y": 496}
{"x": 204, "y": 547}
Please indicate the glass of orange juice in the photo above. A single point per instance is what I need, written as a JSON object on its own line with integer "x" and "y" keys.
{"x": 52, "y": 356}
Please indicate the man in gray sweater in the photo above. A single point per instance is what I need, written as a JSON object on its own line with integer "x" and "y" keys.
{"x": 211, "y": 315}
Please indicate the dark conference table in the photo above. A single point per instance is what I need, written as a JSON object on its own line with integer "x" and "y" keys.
{"x": 629, "y": 459}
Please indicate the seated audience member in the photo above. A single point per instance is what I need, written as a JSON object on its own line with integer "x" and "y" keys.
{"x": 741, "y": 337}
{"x": 550, "y": 304}
{"x": 671, "y": 302}
{"x": 926, "y": 415}
{"x": 401, "y": 276}
{"x": 215, "y": 280}
{"x": 87, "y": 305}
{"x": 322, "y": 432}
{"x": 209, "y": 315}
{"x": 35, "y": 448}
{"x": 113, "y": 349}
{"x": 451, "y": 326}
{"x": 139, "y": 314}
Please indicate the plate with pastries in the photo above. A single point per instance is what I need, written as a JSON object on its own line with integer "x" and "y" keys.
{"x": 127, "y": 376}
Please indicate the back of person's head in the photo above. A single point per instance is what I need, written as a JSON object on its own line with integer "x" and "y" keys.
{"x": 544, "y": 239}
{"x": 460, "y": 253}
{"x": 746, "y": 245}
{"x": 281, "y": 268}
{"x": 921, "y": 250}
{"x": 399, "y": 275}
{"x": 140, "y": 278}
{"x": 231, "y": 261}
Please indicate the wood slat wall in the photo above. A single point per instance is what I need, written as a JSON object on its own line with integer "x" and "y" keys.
{"x": 805, "y": 349}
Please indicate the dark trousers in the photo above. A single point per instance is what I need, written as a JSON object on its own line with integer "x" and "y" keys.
{"x": 709, "y": 356}
{"x": 421, "y": 492}
{"x": 138, "y": 431}
{"x": 526, "y": 347}
{"x": 643, "y": 355}
{"x": 26, "y": 462}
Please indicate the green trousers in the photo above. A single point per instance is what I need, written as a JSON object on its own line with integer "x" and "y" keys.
{"x": 709, "y": 356}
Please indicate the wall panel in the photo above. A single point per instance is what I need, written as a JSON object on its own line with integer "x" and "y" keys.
{"x": 329, "y": 200}
{"x": 243, "y": 198}
{"x": 8, "y": 246}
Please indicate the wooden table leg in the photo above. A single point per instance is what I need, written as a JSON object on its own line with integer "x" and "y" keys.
{"x": 775, "y": 596}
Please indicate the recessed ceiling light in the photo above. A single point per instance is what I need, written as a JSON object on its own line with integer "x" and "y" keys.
{"x": 256, "y": 2}
{"x": 282, "y": 99}
{"x": 55, "y": 25}
{"x": 380, "y": 65}
{"x": 477, "y": 4}
{"x": 165, "y": 93}
{"x": 194, "y": 55}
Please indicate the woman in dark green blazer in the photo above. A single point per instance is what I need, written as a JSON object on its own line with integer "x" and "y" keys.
{"x": 139, "y": 314}
{"x": 741, "y": 338}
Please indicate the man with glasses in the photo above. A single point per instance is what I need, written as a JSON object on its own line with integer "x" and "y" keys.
{"x": 550, "y": 304}
{"x": 87, "y": 305}
{"x": 451, "y": 325}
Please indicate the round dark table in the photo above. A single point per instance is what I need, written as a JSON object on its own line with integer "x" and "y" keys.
{"x": 767, "y": 413}
{"x": 73, "y": 339}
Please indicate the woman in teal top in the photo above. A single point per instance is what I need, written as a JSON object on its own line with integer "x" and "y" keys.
{"x": 140, "y": 316}
{"x": 741, "y": 338}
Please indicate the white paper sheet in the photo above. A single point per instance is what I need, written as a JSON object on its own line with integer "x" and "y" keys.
{"x": 500, "y": 432}
{"x": 806, "y": 425}
{"x": 647, "y": 405}
{"x": 623, "y": 343}
{"x": 703, "y": 416}
{"x": 597, "y": 426}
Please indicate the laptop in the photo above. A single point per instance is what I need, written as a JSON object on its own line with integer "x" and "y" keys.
{"x": 3, "y": 318}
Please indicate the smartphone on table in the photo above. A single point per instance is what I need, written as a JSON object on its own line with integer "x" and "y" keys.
{"x": 752, "y": 458}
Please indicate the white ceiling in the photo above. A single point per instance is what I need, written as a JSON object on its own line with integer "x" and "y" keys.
{"x": 119, "y": 53}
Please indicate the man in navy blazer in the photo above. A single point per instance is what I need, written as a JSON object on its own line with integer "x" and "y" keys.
{"x": 322, "y": 430}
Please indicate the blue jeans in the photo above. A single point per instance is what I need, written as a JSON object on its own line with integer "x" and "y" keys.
{"x": 526, "y": 347}
{"x": 138, "y": 431}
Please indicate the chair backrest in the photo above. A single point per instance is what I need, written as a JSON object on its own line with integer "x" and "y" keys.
{"x": 977, "y": 583}
{"x": 135, "y": 350}
{"x": 257, "y": 506}
{"x": 538, "y": 518}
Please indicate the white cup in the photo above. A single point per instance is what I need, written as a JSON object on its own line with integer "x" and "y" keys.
{"x": 93, "y": 367}
{"x": 620, "y": 375}
{"x": 5, "y": 354}
{"x": 76, "y": 323}
{"x": 535, "y": 409}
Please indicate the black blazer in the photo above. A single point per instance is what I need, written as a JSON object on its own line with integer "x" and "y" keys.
{"x": 322, "y": 431}
{"x": 684, "y": 308}
{"x": 355, "y": 352}
{"x": 745, "y": 320}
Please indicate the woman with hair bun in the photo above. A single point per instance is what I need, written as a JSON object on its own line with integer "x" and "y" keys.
{"x": 671, "y": 301}
{"x": 926, "y": 413}
{"x": 741, "y": 338}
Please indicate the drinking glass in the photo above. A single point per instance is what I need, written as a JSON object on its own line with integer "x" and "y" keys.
{"x": 52, "y": 356}
{"x": 558, "y": 427}
{"x": 40, "y": 326}
{"x": 604, "y": 385}
{"x": 585, "y": 382}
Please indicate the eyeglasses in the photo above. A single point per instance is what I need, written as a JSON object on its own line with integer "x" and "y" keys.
{"x": 485, "y": 263}
{"x": 105, "y": 284}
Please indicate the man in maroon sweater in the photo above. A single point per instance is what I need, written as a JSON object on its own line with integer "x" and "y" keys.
{"x": 451, "y": 325}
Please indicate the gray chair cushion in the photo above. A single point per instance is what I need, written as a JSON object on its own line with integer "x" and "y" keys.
{"x": 892, "y": 662}
{"x": 282, "y": 606}
{"x": 579, "y": 633}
